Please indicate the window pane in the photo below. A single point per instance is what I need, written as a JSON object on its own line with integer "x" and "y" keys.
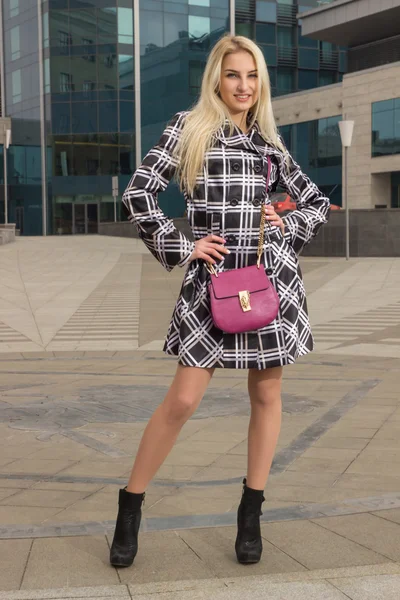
{"x": 285, "y": 80}
{"x": 46, "y": 30}
{"x": 86, "y": 157}
{"x": 108, "y": 117}
{"x": 196, "y": 70}
{"x": 107, "y": 25}
{"x": 386, "y": 127}
{"x": 269, "y": 55}
{"x": 265, "y": 33}
{"x": 308, "y": 79}
{"x": 266, "y": 11}
{"x": 308, "y": 59}
{"x": 151, "y": 31}
{"x": 246, "y": 29}
{"x": 15, "y": 43}
{"x": 198, "y": 26}
{"x": 61, "y": 117}
{"x": 33, "y": 165}
{"x": 125, "y": 25}
{"x": 84, "y": 117}
{"x": 108, "y": 71}
{"x": 14, "y": 8}
{"x": 47, "y": 76}
{"x": 199, "y": 2}
{"x": 127, "y": 116}
{"x": 126, "y": 154}
{"x": 327, "y": 77}
{"x": 126, "y": 72}
{"x": 16, "y": 86}
{"x": 285, "y": 37}
{"x": 175, "y": 25}
{"x": 109, "y": 153}
{"x": 272, "y": 76}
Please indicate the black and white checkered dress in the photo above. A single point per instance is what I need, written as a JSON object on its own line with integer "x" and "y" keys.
{"x": 226, "y": 202}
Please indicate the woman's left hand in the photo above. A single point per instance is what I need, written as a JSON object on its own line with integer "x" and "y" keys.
{"x": 273, "y": 218}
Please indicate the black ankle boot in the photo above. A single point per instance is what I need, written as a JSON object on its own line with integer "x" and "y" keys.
{"x": 125, "y": 543}
{"x": 248, "y": 544}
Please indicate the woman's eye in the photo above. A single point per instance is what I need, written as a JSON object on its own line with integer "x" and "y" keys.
{"x": 231, "y": 74}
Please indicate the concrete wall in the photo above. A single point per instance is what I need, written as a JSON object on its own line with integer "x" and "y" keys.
{"x": 372, "y": 233}
{"x": 7, "y": 233}
{"x": 353, "y": 99}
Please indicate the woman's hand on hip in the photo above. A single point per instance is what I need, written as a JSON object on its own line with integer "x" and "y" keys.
{"x": 209, "y": 247}
{"x": 273, "y": 218}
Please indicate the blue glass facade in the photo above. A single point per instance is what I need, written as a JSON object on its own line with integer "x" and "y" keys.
{"x": 175, "y": 39}
{"x": 21, "y": 103}
{"x": 89, "y": 95}
{"x": 317, "y": 147}
{"x": 295, "y": 63}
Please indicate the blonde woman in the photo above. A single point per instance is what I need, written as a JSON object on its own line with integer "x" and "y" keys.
{"x": 219, "y": 153}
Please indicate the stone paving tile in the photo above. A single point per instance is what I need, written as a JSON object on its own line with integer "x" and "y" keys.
{"x": 340, "y": 443}
{"x": 365, "y": 466}
{"x": 371, "y": 481}
{"x": 215, "y": 546}
{"x": 15, "y": 483}
{"x": 392, "y": 514}
{"x": 95, "y": 593}
{"x": 274, "y": 591}
{"x": 48, "y": 498}
{"x": 17, "y": 515}
{"x": 370, "y": 531}
{"x": 7, "y": 492}
{"x": 62, "y": 562}
{"x": 318, "y": 480}
{"x": 67, "y": 487}
{"x": 101, "y": 468}
{"x": 44, "y": 467}
{"x": 327, "y": 550}
{"x": 164, "y": 556}
{"x": 13, "y": 557}
{"x": 316, "y": 465}
{"x": 334, "y": 454}
{"x": 378, "y": 587}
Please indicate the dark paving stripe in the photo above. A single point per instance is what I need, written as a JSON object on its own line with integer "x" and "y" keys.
{"x": 288, "y": 513}
{"x": 310, "y": 435}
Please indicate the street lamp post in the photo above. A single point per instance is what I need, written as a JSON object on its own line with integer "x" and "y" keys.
{"x": 346, "y": 134}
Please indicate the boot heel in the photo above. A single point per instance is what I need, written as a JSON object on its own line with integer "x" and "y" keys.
{"x": 125, "y": 543}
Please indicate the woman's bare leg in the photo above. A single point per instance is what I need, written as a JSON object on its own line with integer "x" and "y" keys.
{"x": 181, "y": 401}
{"x": 265, "y": 423}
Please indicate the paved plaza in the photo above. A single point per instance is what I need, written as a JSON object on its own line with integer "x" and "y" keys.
{"x": 82, "y": 321}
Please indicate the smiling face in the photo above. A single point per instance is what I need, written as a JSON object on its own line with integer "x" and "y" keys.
{"x": 239, "y": 84}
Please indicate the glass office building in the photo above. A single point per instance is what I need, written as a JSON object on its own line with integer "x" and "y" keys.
{"x": 90, "y": 84}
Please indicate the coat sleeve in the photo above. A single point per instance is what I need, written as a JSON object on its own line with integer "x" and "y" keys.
{"x": 312, "y": 207}
{"x": 140, "y": 200}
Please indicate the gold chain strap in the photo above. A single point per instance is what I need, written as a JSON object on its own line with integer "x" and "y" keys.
{"x": 261, "y": 236}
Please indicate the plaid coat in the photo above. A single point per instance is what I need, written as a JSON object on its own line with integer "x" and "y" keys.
{"x": 227, "y": 201}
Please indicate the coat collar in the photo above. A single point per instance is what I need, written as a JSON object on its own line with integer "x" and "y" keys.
{"x": 244, "y": 141}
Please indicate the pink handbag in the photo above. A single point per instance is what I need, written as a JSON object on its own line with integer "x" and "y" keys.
{"x": 244, "y": 299}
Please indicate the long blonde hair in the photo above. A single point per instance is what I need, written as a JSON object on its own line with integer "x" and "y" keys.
{"x": 210, "y": 112}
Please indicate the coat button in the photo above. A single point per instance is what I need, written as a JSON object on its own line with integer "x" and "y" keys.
{"x": 256, "y": 202}
{"x": 257, "y": 168}
{"x": 234, "y": 202}
{"x": 269, "y": 271}
{"x": 230, "y": 238}
{"x": 235, "y": 166}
